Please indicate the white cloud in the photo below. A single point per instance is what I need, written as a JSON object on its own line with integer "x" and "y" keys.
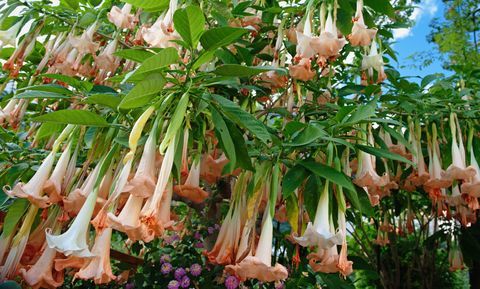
{"x": 428, "y": 7}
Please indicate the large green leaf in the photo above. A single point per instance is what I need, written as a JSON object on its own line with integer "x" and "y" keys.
{"x": 293, "y": 179}
{"x": 244, "y": 71}
{"x": 381, "y": 6}
{"x": 329, "y": 173}
{"x": 143, "y": 92}
{"x": 158, "y": 61}
{"x": 40, "y": 94}
{"x": 14, "y": 214}
{"x": 221, "y": 36}
{"x": 310, "y": 134}
{"x": 137, "y": 55}
{"x": 244, "y": 119}
{"x": 241, "y": 152}
{"x": 362, "y": 112}
{"x": 73, "y": 116}
{"x": 190, "y": 24}
{"x": 382, "y": 153}
{"x": 47, "y": 129}
{"x": 105, "y": 99}
{"x": 223, "y": 135}
{"x": 149, "y": 5}
{"x": 72, "y": 81}
{"x": 47, "y": 88}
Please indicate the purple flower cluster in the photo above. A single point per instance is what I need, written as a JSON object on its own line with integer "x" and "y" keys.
{"x": 173, "y": 284}
{"x": 166, "y": 268}
{"x": 231, "y": 282}
{"x": 196, "y": 270}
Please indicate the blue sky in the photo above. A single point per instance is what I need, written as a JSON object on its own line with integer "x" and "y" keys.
{"x": 409, "y": 41}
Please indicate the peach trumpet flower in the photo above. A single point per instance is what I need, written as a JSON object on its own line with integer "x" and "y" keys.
{"x": 374, "y": 61}
{"x": 84, "y": 43}
{"x": 143, "y": 183}
{"x": 122, "y": 18}
{"x": 150, "y": 214}
{"x": 437, "y": 180}
{"x": 191, "y": 189}
{"x": 75, "y": 200}
{"x": 344, "y": 265}
{"x": 53, "y": 186}
{"x": 74, "y": 240}
{"x": 361, "y": 35}
{"x": 211, "y": 168}
{"x": 328, "y": 44}
{"x": 6, "y": 112}
{"x": 33, "y": 189}
{"x": 302, "y": 71}
{"x": 98, "y": 267}
{"x": 260, "y": 266}
{"x": 43, "y": 274}
{"x": 318, "y": 233}
{"x": 106, "y": 60}
{"x": 304, "y": 50}
{"x": 9, "y": 36}
{"x": 458, "y": 169}
{"x": 472, "y": 187}
{"x": 455, "y": 258}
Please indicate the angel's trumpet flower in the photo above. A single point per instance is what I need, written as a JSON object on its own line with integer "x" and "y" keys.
{"x": 141, "y": 186}
{"x": 437, "y": 180}
{"x": 304, "y": 50}
{"x": 75, "y": 200}
{"x": 211, "y": 168}
{"x": 42, "y": 274}
{"x": 458, "y": 169}
{"x": 318, "y": 233}
{"x": 420, "y": 175}
{"x": 191, "y": 189}
{"x": 325, "y": 260}
{"x": 106, "y": 60}
{"x": 5, "y": 113}
{"x": 367, "y": 176}
{"x": 19, "y": 242}
{"x": 472, "y": 187}
{"x": 143, "y": 183}
{"x": 328, "y": 44}
{"x": 156, "y": 35}
{"x": 344, "y": 265}
{"x": 302, "y": 71}
{"x": 33, "y": 189}
{"x": 374, "y": 61}
{"x": 122, "y": 18}
{"x": 260, "y": 266}
{"x": 53, "y": 186}
{"x": 9, "y": 36}
{"x": 84, "y": 43}
{"x": 361, "y": 35}
{"x": 150, "y": 214}
{"x": 74, "y": 240}
{"x": 98, "y": 267}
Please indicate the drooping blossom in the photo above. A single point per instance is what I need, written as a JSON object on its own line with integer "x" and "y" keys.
{"x": 9, "y": 36}
{"x": 33, "y": 189}
{"x": 303, "y": 70}
{"x": 437, "y": 179}
{"x": 211, "y": 168}
{"x": 318, "y": 233}
{"x": 122, "y": 18}
{"x": 43, "y": 274}
{"x": 361, "y": 35}
{"x": 98, "y": 266}
{"x": 304, "y": 38}
{"x": 328, "y": 44}
{"x": 455, "y": 258}
{"x": 53, "y": 186}
{"x": 374, "y": 61}
{"x": 472, "y": 185}
{"x": 161, "y": 33}
{"x": 191, "y": 189}
{"x": 260, "y": 266}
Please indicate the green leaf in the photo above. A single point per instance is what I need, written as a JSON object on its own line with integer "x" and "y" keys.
{"x": 292, "y": 180}
{"x": 149, "y": 5}
{"x": 311, "y": 194}
{"x": 310, "y": 134}
{"x": 137, "y": 55}
{"x": 158, "y": 61}
{"x": 205, "y": 57}
{"x": 221, "y": 36}
{"x": 244, "y": 119}
{"x": 175, "y": 122}
{"x": 72, "y": 81}
{"x": 362, "y": 112}
{"x": 364, "y": 200}
{"x": 73, "y": 116}
{"x": 29, "y": 94}
{"x": 105, "y": 99}
{"x": 143, "y": 92}
{"x": 244, "y": 71}
{"x": 381, "y": 6}
{"x": 48, "y": 88}
{"x": 243, "y": 160}
{"x": 430, "y": 78}
{"x": 329, "y": 173}
{"x": 14, "y": 214}
{"x": 382, "y": 153}
{"x": 223, "y": 136}
{"x": 189, "y": 23}
{"x": 71, "y": 3}
{"x": 47, "y": 129}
